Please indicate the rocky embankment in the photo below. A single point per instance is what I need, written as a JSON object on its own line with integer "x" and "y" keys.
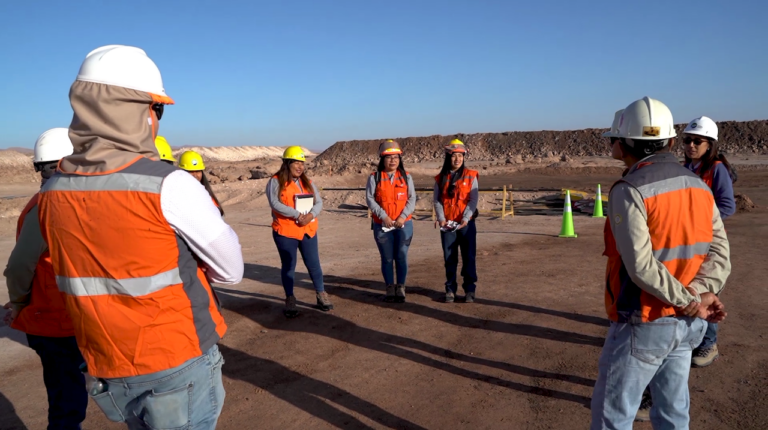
{"x": 746, "y": 137}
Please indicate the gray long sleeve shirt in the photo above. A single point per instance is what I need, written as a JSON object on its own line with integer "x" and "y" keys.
{"x": 20, "y": 271}
{"x": 474, "y": 197}
{"x": 373, "y": 205}
{"x": 273, "y": 196}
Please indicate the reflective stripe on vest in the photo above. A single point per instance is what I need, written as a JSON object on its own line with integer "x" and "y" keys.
{"x": 679, "y": 209}
{"x": 454, "y": 207}
{"x": 288, "y": 227}
{"x": 134, "y": 287}
{"x": 139, "y": 302}
{"x": 391, "y": 195}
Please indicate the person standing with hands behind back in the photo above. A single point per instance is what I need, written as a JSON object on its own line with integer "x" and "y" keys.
{"x": 455, "y": 200}
{"x": 391, "y": 196}
{"x": 293, "y": 230}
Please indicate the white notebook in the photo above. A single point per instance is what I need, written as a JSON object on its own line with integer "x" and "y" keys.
{"x": 304, "y": 202}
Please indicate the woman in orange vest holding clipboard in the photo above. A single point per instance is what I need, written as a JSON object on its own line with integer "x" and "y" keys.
{"x": 295, "y": 204}
{"x": 391, "y": 197}
{"x": 455, "y": 200}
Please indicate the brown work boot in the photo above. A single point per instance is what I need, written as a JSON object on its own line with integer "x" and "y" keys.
{"x": 450, "y": 297}
{"x": 399, "y": 293}
{"x": 703, "y": 357}
{"x": 644, "y": 413}
{"x": 390, "y": 297}
{"x": 323, "y": 302}
{"x": 290, "y": 311}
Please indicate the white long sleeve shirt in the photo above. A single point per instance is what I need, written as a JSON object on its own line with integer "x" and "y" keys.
{"x": 189, "y": 210}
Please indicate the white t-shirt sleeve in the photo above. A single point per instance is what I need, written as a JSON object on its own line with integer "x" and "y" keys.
{"x": 189, "y": 210}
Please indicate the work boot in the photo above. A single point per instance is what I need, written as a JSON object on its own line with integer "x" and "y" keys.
{"x": 703, "y": 357}
{"x": 644, "y": 413}
{"x": 390, "y": 297}
{"x": 449, "y": 297}
{"x": 323, "y": 302}
{"x": 290, "y": 311}
{"x": 470, "y": 297}
{"x": 399, "y": 293}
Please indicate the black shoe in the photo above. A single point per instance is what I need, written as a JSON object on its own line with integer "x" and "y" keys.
{"x": 449, "y": 297}
{"x": 390, "y": 297}
{"x": 290, "y": 311}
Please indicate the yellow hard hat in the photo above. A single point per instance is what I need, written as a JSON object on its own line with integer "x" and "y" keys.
{"x": 294, "y": 153}
{"x": 191, "y": 161}
{"x": 164, "y": 149}
{"x": 456, "y": 146}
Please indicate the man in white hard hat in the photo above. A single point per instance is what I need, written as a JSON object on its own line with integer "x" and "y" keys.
{"x": 135, "y": 244}
{"x": 667, "y": 257}
{"x": 37, "y": 307}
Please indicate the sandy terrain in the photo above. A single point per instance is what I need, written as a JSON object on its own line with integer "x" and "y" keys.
{"x": 524, "y": 356}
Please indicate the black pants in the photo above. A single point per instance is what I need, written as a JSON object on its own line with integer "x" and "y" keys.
{"x": 67, "y": 398}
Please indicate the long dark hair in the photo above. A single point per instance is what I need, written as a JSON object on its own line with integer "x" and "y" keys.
{"x": 208, "y": 188}
{"x": 400, "y": 167}
{"x": 445, "y": 173}
{"x": 712, "y": 156}
{"x": 284, "y": 177}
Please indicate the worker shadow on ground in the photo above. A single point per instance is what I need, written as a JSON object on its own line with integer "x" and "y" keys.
{"x": 12, "y": 334}
{"x": 271, "y": 275}
{"x": 8, "y": 418}
{"x": 439, "y": 296}
{"x": 265, "y": 310}
{"x": 304, "y": 392}
{"x": 517, "y": 232}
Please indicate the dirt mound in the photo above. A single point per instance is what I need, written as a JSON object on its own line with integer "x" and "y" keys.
{"x": 749, "y": 137}
{"x": 16, "y": 167}
{"x": 744, "y": 203}
{"x": 236, "y": 153}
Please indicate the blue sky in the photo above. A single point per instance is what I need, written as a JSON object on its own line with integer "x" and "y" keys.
{"x": 316, "y": 72}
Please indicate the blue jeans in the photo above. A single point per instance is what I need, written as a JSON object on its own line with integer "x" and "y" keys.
{"x": 466, "y": 241}
{"x": 65, "y": 384}
{"x": 287, "y": 247}
{"x": 655, "y": 354}
{"x": 189, "y": 396}
{"x": 393, "y": 248}
{"x": 710, "y": 337}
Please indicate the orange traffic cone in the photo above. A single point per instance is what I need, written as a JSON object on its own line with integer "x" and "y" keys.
{"x": 567, "y": 229}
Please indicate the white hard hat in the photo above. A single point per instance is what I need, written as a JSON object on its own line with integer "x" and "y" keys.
{"x": 53, "y": 145}
{"x": 614, "y": 131}
{"x": 702, "y": 126}
{"x": 122, "y": 66}
{"x": 646, "y": 119}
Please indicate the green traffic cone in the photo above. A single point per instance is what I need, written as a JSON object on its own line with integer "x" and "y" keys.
{"x": 598, "y": 212}
{"x": 567, "y": 229}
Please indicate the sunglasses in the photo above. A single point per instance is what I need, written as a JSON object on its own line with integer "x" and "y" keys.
{"x": 159, "y": 109}
{"x": 697, "y": 142}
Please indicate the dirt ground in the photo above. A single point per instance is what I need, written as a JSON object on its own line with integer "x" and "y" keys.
{"x": 524, "y": 356}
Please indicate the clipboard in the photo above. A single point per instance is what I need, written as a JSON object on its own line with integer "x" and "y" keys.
{"x": 304, "y": 202}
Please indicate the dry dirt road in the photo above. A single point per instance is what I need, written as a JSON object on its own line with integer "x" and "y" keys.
{"x": 524, "y": 356}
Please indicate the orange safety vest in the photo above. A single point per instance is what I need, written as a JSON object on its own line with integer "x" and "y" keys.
{"x": 286, "y": 226}
{"x": 392, "y": 196}
{"x": 454, "y": 206}
{"x": 679, "y": 207}
{"x": 46, "y": 315}
{"x": 138, "y": 300}
{"x": 708, "y": 176}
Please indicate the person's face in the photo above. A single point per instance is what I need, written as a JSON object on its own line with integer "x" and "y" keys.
{"x": 46, "y": 171}
{"x": 296, "y": 168}
{"x": 197, "y": 174}
{"x": 616, "y": 152}
{"x": 155, "y": 114}
{"x": 391, "y": 162}
{"x": 695, "y": 146}
{"x": 457, "y": 159}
